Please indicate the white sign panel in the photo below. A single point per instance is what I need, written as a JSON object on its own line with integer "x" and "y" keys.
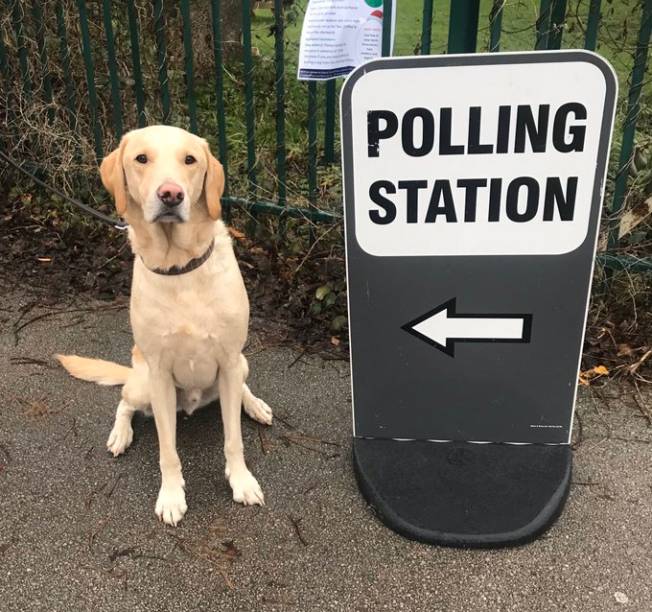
{"x": 339, "y": 35}
{"x": 483, "y": 160}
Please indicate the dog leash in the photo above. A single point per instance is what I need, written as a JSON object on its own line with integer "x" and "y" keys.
{"x": 87, "y": 209}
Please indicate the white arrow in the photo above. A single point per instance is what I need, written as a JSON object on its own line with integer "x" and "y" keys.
{"x": 442, "y": 327}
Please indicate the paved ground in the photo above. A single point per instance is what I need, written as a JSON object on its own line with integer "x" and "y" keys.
{"x": 78, "y": 531}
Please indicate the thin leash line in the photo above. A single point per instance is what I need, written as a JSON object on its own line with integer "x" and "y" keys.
{"x": 87, "y": 209}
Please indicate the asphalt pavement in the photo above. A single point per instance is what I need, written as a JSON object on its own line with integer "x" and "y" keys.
{"x": 78, "y": 530}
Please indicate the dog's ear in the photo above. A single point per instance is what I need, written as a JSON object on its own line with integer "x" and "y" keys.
{"x": 113, "y": 178}
{"x": 213, "y": 184}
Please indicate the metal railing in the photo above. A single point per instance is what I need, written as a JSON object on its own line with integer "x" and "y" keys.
{"x": 52, "y": 34}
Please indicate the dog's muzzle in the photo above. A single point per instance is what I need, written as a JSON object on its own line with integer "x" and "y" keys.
{"x": 170, "y": 196}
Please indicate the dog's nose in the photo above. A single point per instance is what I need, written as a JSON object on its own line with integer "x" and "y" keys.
{"x": 170, "y": 194}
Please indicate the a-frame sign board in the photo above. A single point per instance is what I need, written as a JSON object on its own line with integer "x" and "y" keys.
{"x": 473, "y": 188}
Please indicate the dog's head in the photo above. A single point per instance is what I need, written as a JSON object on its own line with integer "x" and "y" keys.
{"x": 165, "y": 171}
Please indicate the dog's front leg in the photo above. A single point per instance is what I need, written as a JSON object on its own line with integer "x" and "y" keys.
{"x": 171, "y": 502}
{"x": 245, "y": 487}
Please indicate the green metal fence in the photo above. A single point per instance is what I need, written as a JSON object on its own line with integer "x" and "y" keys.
{"x": 37, "y": 40}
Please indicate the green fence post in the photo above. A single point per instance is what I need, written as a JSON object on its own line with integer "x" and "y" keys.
{"x": 312, "y": 149}
{"x": 64, "y": 54}
{"x": 329, "y": 123}
{"x": 249, "y": 97}
{"x": 496, "y": 25}
{"x": 18, "y": 18}
{"x": 543, "y": 25}
{"x": 557, "y": 23}
{"x": 136, "y": 65}
{"x": 387, "y": 28}
{"x": 629, "y": 127}
{"x": 219, "y": 91}
{"x": 116, "y": 103}
{"x": 90, "y": 77}
{"x": 161, "y": 59}
{"x": 187, "y": 55}
{"x": 280, "y": 101}
{"x": 463, "y": 26}
{"x": 426, "y": 27}
{"x": 592, "y": 25}
{"x": 43, "y": 57}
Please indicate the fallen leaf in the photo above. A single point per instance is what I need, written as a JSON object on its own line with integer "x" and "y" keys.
{"x": 230, "y": 550}
{"x": 37, "y": 408}
{"x": 587, "y": 376}
{"x": 624, "y": 350}
{"x": 631, "y": 218}
{"x": 237, "y": 234}
{"x": 125, "y": 552}
{"x": 335, "y": 341}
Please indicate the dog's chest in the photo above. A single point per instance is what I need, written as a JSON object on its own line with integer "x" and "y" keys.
{"x": 187, "y": 337}
{"x": 194, "y": 323}
{"x": 192, "y": 355}
{"x": 192, "y": 351}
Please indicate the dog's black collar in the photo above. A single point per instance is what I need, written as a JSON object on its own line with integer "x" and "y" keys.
{"x": 193, "y": 264}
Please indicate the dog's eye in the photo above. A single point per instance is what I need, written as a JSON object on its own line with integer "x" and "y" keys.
{"x": 141, "y": 159}
{"x": 190, "y": 160}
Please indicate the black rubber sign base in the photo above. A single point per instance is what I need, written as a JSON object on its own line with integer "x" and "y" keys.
{"x": 464, "y": 494}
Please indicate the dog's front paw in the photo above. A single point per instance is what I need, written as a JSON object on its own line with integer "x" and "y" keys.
{"x": 246, "y": 489}
{"x": 258, "y": 410}
{"x": 171, "y": 504}
{"x": 120, "y": 438}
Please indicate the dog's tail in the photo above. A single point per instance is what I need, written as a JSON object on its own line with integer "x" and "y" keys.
{"x": 95, "y": 370}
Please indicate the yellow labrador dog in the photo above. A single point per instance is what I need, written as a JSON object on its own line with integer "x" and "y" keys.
{"x": 189, "y": 309}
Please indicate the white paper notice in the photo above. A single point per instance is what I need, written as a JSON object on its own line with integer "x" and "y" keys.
{"x": 338, "y": 35}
